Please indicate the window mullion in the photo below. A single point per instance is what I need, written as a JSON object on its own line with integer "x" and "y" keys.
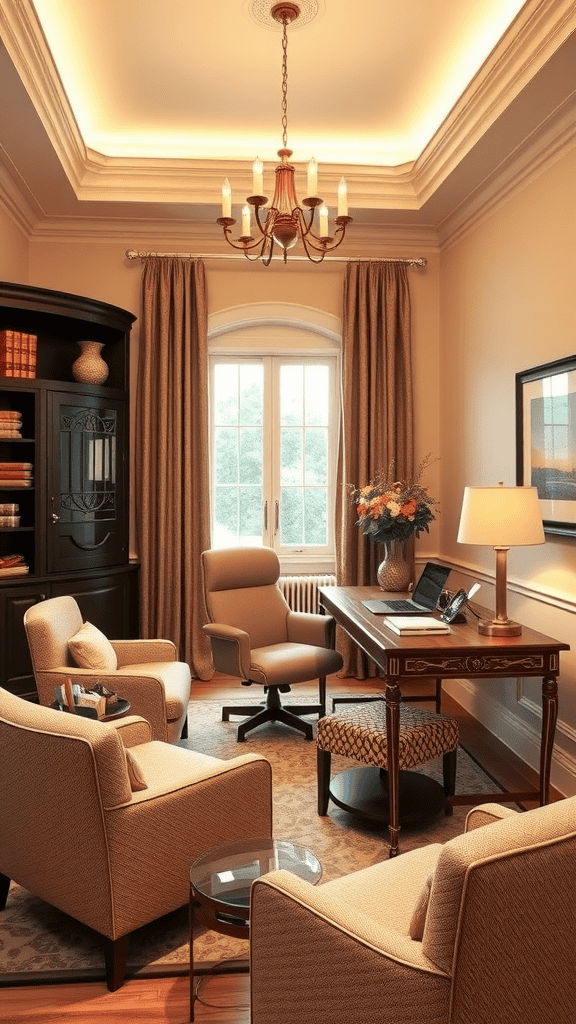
{"x": 269, "y": 448}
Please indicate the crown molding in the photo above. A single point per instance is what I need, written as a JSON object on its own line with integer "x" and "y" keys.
{"x": 540, "y": 28}
{"x": 536, "y": 33}
{"x": 370, "y": 240}
{"x": 12, "y": 199}
{"x": 553, "y": 140}
{"x": 24, "y": 40}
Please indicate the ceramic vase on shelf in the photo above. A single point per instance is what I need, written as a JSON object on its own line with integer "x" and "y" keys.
{"x": 394, "y": 572}
{"x": 89, "y": 367}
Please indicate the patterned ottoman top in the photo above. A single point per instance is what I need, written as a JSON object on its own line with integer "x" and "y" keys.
{"x": 360, "y": 733}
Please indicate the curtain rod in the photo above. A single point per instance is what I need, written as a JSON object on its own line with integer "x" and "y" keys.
{"x": 133, "y": 254}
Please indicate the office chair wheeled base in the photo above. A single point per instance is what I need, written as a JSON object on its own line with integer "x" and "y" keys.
{"x": 273, "y": 711}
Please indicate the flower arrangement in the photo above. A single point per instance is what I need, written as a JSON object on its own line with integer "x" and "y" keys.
{"x": 391, "y": 509}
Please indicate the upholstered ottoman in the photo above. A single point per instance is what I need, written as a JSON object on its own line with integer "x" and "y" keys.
{"x": 359, "y": 732}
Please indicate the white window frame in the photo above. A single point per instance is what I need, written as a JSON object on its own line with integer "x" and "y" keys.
{"x": 263, "y": 330}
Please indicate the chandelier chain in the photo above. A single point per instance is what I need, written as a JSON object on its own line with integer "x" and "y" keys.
{"x": 285, "y": 82}
{"x": 285, "y": 221}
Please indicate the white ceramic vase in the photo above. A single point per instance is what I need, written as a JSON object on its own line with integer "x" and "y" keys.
{"x": 89, "y": 367}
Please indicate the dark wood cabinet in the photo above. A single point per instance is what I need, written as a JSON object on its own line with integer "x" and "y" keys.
{"x": 87, "y": 525}
{"x": 72, "y": 515}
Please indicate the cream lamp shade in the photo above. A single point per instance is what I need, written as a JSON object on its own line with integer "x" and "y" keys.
{"x": 501, "y": 517}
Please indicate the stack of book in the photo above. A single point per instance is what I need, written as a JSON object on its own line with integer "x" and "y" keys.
{"x": 9, "y": 518}
{"x": 415, "y": 625}
{"x": 13, "y": 565}
{"x": 10, "y": 423}
{"x": 17, "y": 354}
{"x": 15, "y": 474}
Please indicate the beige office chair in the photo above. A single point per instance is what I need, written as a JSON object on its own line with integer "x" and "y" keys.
{"x": 257, "y": 638}
{"x": 145, "y": 672}
{"x": 481, "y": 930}
{"x": 103, "y": 823}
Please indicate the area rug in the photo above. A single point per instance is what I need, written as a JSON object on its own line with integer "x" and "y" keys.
{"x": 39, "y": 943}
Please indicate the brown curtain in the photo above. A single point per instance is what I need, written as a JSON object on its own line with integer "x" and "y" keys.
{"x": 376, "y": 417}
{"x": 172, "y": 491}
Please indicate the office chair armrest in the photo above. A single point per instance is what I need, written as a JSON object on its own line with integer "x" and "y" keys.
{"x": 230, "y": 649}
{"x": 308, "y": 628}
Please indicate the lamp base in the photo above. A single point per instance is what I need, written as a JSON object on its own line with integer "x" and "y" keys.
{"x": 491, "y": 627}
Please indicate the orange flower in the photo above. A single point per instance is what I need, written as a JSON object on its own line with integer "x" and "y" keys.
{"x": 409, "y": 507}
{"x": 377, "y": 505}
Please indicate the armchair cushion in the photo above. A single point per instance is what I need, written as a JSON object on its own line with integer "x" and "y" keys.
{"x": 418, "y": 919}
{"x": 135, "y": 773}
{"x": 91, "y": 649}
{"x": 478, "y": 817}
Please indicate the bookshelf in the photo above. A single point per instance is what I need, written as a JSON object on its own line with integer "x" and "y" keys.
{"x": 71, "y": 525}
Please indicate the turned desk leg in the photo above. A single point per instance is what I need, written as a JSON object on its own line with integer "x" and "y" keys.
{"x": 393, "y": 698}
{"x": 549, "y": 716}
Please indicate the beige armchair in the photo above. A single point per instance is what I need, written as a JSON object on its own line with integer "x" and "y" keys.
{"x": 256, "y": 637}
{"x": 481, "y": 930}
{"x": 103, "y": 823}
{"x": 145, "y": 672}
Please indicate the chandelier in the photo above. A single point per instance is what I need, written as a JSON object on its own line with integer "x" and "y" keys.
{"x": 285, "y": 222}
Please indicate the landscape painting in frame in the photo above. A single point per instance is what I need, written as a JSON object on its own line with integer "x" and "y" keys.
{"x": 546, "y": 440}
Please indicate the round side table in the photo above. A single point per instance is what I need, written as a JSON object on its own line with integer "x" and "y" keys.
{"x": 221, "y": 879}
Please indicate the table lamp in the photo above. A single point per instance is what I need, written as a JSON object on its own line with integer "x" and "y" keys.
{"x": 502, "y": 517}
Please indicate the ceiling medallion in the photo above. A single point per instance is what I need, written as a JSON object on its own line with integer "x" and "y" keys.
{"x": 261, "y": 12}
{"x": 286, "y": 222}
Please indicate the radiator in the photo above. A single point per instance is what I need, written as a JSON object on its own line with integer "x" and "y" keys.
{"x": 301, "y": 592}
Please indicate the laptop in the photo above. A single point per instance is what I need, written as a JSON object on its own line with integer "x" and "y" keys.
{"x": 424, "y": 597}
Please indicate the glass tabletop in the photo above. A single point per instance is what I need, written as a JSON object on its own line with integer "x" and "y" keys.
{"x": 226, "y": 873}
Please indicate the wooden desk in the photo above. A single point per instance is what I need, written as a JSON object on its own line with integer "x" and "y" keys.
{"x": 462, "y": 653}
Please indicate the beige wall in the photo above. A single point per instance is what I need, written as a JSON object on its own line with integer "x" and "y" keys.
{"x": 507, "y": 299}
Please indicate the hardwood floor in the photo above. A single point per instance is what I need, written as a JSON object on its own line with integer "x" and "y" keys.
{"x": 166, "y": 1000}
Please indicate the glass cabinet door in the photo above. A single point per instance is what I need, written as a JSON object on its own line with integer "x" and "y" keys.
{"x": 87, "y": 518}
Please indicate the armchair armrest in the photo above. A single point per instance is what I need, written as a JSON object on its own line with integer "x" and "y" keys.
{"x": 230, "y": 649}
{"x": 132, "y": 730}
{"x": 293, "y": 921}
{"x": 485, "y": 814}
{"x": 310, "y": 628}
{"x": 138, "y": 652}
{"x": 146, "y": 691}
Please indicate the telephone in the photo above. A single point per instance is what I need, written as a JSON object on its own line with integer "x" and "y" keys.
{"x": 453, "y": 610}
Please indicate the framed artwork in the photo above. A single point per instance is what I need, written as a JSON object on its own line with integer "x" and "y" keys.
{"x": 546, "y": 440}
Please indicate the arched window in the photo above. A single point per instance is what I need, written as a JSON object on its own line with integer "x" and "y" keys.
{"x": 274, "y": 407}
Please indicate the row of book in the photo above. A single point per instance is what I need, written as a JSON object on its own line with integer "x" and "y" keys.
{"x": 10, "y": 423}
{"x": 17, "y": 354}
{"x": 15, "y": 474}
{"x": 13, "y": 565}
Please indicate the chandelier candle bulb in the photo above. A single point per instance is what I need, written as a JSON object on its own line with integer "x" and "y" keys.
{"x": 312, "y": 179}
{"x": 246, "y": 221}
{"x": 323, "y": 221}
{"x": 226, "y": 199}
{"x": 342, "y": 198}
{"x": 257, "y": 180}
